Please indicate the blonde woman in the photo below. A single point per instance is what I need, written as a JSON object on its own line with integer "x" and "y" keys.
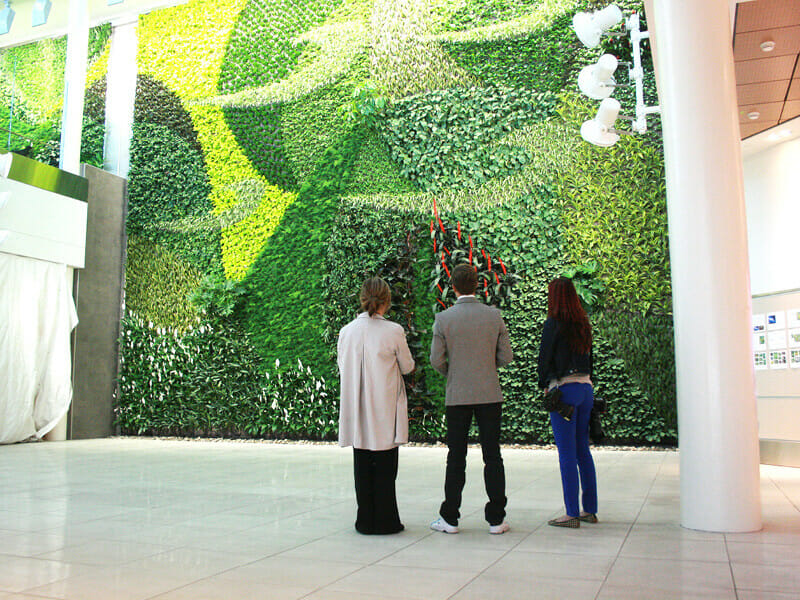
{"x": 373, "y": 355}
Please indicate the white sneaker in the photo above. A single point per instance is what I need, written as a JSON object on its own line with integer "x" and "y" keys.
{"x": 498, "y": 529}
{"x": 441, "y": 525}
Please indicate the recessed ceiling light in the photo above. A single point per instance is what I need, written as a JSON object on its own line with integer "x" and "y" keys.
{"x": 768, "y": 46}
{"x": 753, "y": 115}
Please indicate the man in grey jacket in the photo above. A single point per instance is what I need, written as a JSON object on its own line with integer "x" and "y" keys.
{"x": 470, "y": 341}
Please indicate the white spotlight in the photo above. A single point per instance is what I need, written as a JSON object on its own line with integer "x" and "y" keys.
{"x": 41, "y": 10}
{"x": 113, "y": 2}
{"x": 6, "y": 17}
{"x": 590, "y": 27}
{"x": 598, "y": 131}
{"x": 596, "y": 80}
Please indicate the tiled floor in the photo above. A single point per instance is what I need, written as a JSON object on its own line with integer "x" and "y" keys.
{"x": 138, "y": 518}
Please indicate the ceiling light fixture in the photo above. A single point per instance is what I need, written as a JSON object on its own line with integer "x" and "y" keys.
{"x": 6, "y": 18}
{"x": 41, "y": 10}
{"x": 767, "y": 46}
{"x": 113, "y": 2}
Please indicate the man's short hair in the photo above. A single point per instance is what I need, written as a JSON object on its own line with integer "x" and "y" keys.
{"x": 465, "y": 279}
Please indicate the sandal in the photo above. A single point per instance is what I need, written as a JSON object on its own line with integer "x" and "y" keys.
{"x": 572, "y": 523}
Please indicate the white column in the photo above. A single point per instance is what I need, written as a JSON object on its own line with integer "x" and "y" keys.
{"x": 74, "y": 86}
{"x": 717, "y": 426}
{"x": 120, "y": 96}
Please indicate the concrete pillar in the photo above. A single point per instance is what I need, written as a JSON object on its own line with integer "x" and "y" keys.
{"x": 120, "y": 96}
{"x": 717, "y": 425}
{"x": 74, "y": 86}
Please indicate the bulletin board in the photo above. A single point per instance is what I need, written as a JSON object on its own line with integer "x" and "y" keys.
{"x": 776, "y": 344}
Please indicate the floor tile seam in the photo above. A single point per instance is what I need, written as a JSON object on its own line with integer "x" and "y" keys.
{"x": 777, "y": 485}
{"x": 366, "y": 566}
{"x": 730, "y": 565}
{"x": 630, "y": 527}
{"x": 489, "y": 566}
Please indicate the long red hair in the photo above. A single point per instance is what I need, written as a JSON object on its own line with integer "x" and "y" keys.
{"x": 564, "y": 306}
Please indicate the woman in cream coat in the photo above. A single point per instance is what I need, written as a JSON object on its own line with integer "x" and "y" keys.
{"x": 373, "y": 418}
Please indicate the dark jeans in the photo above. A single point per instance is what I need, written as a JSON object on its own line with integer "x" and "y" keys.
{"x": 459, "y": 419}
{"x": 375, "y": 474}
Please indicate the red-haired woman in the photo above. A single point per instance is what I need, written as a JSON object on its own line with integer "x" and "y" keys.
{"x": 565, "y": 360}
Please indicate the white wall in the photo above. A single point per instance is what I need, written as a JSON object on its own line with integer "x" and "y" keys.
{"x": 772, "y": 196}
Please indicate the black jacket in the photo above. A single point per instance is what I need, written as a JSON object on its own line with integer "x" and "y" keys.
{"x": 556, "y": 359}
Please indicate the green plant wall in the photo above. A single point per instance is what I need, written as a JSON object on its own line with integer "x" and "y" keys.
{"x": 285, "y": 149}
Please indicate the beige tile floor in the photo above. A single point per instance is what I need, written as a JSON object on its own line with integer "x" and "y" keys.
{"x": 135, "y": 519}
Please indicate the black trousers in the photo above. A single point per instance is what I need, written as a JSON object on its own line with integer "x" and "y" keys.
{"x": 459, "y": 419}
{"x": 375, "y": 474}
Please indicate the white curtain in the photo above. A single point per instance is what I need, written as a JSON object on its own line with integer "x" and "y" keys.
{"x": 37, "y": 314}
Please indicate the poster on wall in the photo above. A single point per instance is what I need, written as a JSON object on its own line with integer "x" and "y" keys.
{"x": 776, "y": 320}
{"x": 776, "y": 340}
{"x": 760, "y": 341}
{"x": 793, "y": 317}
{"x": 794, "y": 338}
{"x": 778, "y": 359}
{"x": 759, "y": 323}
{"x": 795, "y": 358}
{"x": 760, "y": 361}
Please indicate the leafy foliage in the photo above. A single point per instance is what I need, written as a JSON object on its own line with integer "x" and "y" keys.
{"x": 543, "y": 60}
{"x": 207, "y": 381}
{"x": 275, "y": 157}
{"x": 284, "y": 308}
{"x": 168, "y": 197}
{"x": 619, "y": 222}
{"x": 263, "y": 47}
{"x": 440, "y": 139}
{"x": 477, "y": 13}
{"x": 157, "y": 284}
{"x": 259, "y": 132}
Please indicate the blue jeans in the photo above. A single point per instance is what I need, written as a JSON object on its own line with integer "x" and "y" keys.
{"x": 572, "y": 440}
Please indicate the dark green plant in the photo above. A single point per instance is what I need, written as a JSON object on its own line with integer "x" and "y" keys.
{"x": 545, "y": 61}
{"x": 263, "y": 46}
{"x": 444, "y": 138}
{"x": 587, "y": 284}
{"x": 366, "y": 106}
{"x": 168, "y": 193}
{"x": 259, "y": 132}
{"x": 217, "y": 298}
{"x": 451, "y": 247}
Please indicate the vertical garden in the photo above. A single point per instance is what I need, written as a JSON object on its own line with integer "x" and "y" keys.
{"x": 285, "y": 149}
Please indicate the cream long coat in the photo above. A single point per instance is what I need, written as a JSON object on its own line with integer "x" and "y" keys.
{"x": 372, "y": 354}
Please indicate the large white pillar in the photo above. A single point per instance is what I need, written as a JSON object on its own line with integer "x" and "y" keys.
{"x": 74, "y": 86}
{"x": 717, "y": 426}
{"x": 120, "y": 96}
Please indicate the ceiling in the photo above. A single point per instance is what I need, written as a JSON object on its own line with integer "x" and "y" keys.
{"x": 97, "y": 11}
{"x": 767, "y": 82}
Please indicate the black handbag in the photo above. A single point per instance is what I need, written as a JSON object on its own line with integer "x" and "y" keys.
{"x": 553, "y": 403}
{"x": 596, "y": 433}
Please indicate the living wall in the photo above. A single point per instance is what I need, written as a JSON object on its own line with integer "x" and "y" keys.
{"x": 285, "y": 149}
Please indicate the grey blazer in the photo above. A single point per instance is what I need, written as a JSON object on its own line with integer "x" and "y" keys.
{"x": 470, "y": 341}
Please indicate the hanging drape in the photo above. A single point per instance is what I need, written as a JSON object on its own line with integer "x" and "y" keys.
{"x": 37, "y": 314}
